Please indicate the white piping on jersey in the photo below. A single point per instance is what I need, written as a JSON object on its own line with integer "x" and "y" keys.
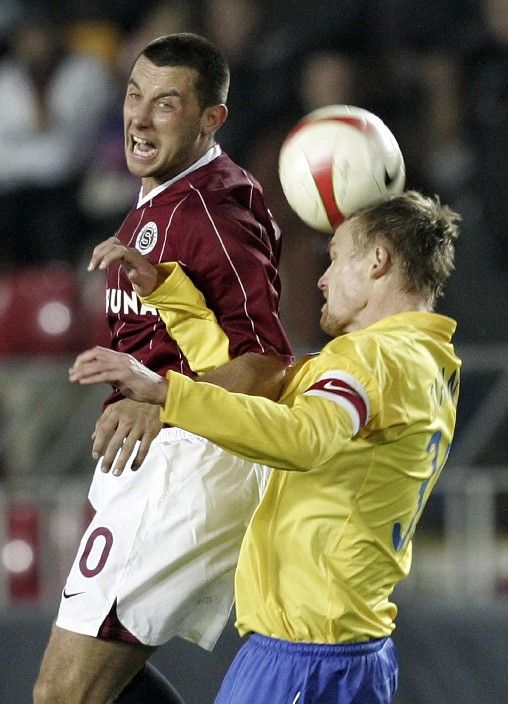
{"x": 163, "y": 248}
{"x": 232, "y": 266}
{"x": 209, "y": 156}
{"x": 251, "y": 187}
{"x": 296, "y": 698}
{"x": 340, "y": 400}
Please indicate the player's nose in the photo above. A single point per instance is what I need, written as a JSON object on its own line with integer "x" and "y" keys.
{"x": 141, "y": 115}
{"x": 322, "y": 282}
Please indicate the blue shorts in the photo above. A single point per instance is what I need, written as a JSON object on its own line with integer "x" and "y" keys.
{"x": 271, "y": 671}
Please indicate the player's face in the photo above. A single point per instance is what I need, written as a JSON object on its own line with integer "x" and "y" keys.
{"x": 165, "y": 129}
{"x": 346, "y": 284}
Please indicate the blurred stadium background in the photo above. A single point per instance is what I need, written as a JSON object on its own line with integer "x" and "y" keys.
{"x": 436, "y": 71}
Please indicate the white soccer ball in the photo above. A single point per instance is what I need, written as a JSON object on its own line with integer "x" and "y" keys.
{"x": 338, "y": 160}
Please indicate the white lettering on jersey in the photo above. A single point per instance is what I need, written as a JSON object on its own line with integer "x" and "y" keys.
{"x": 130, "y": 302}
{"x": 118, "y": 300}
{"x": 346, "y": 391}
{"x": 147, "y": 309}
{"x": 115, "y": 300}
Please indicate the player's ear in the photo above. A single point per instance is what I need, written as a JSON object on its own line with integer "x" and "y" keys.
{"x": 381, "y": 261}
{"x": 213, "y": 117}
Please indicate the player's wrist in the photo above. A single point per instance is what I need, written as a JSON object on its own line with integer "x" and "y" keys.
{"x": 161, "y": 392}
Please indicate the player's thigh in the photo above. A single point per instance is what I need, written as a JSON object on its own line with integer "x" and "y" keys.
{"x": 78, "y": 668}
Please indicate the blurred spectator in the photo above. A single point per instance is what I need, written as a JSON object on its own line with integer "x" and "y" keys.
{"x": 349, "y": 26}
{"x": 328, "y": 78}
{"x": 257, "y": 91}
{"x": 10, "y": 13}
{"x": 157, "y": 19}
{"x": 52, "y": 101}
{"x": 426, "y": 112}
{"x": 266, "y": 43}
{"x": 448, "y": 93}
{"x": 124, "y": 14}
{"x": 423, "y": 25}
{"x": 486, "y": 66}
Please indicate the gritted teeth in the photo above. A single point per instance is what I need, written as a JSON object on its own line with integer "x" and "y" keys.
{"x": 140, "y": 140}
{"x": 142, "y": 146}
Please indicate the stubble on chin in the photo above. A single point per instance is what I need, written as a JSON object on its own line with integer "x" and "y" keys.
{"x": 324, "y": 323}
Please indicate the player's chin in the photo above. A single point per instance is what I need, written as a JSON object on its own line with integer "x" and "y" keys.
{"x": 329, "y": 325}
{"x": 140, "y": 167}
{"x": 324, "y": 322}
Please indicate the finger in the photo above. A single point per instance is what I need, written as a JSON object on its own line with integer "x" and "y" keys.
{"x": 95, "y": 374}
{"x": 144, "y": 446}
{"x": 124, "y": 455}
{"x": 115, "y": 253}
{"x": 105, "y": 428}
{"x": 114, "y": 446}
{"x": 100, "y": 250}
{"x": 95, "y": 366}
{"x": 113, "y": 250}
{"x": 92, "y": 354}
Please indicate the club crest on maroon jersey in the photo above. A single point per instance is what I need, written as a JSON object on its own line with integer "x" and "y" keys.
{"x": 147, "y": 238}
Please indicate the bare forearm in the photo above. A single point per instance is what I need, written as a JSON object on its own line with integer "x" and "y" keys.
{"x": 253, "y": 374}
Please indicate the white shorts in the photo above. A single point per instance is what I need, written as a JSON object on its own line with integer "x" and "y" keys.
{"x": 164, "y": 543}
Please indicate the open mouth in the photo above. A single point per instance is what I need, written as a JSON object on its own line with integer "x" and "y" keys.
{"x": 142, "y": 148}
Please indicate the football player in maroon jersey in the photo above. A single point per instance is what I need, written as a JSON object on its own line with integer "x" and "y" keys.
{"x": 159, "y": 556}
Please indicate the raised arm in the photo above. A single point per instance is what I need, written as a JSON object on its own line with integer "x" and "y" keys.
{"x": 194, "y": 327}
{"x": 188, "y": 321}
{"x": 300, "y": 436}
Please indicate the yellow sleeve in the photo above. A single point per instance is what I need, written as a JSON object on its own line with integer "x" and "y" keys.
{"x": 298, "y": 437}
{"x": 188, "y": 320}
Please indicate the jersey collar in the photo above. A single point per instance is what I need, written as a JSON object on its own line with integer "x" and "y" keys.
{"x": 209, "y": 156}
{"x": 431, "y": 322}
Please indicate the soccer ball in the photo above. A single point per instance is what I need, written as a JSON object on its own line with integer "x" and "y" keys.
{"x": 336, "y": 161}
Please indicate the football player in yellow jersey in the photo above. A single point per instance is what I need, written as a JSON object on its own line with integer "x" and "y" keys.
{"x": 358, "y": 440}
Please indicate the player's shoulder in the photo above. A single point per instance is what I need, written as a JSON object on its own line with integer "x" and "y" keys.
{"x": 221, "y": 192}
{"x": 361, "y": 353}
{"x": 223, "y": 179}
{"x": 226, "y": 190}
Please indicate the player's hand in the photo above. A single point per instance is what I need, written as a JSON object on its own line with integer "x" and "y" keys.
{"x": 121, "y": 426}
{"x": 135, "y": 381}
{"x": 123, "y": 371}
{"x": 144, "y": 277}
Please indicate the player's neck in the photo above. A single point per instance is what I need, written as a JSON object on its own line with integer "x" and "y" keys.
{"x": 383, "y": 306}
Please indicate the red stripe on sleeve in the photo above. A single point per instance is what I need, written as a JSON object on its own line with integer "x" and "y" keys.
{"x": 344, "y": 390}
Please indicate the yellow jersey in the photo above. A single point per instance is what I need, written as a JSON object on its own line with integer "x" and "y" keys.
{"x": 188, "y": 320}
{"x": 358, "y": 440}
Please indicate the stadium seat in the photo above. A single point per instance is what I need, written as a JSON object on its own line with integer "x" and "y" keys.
{"x": 40, "y": 311}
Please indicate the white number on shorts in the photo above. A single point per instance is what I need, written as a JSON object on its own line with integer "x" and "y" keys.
{"x": 107, "y": 535}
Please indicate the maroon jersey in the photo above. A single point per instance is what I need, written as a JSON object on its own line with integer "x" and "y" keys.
{"x": 215, "y": 223}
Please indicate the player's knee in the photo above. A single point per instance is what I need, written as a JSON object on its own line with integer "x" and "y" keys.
{"x": 42, "y": 690}
{"x": 50, "y": 690}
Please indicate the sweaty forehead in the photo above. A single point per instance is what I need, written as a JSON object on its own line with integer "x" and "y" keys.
{"x": 147, "y": 75}
{"x": 342, "y": 237}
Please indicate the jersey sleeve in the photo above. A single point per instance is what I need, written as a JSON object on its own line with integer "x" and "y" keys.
{"x": 188, "y": 320}
{"x": 236, "y": 269}
{"x": 299, "y": 437}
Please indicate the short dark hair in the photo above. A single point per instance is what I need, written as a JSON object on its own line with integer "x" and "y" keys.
{"x": 420, "y": 234}
{"x": 194, "y": 51}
